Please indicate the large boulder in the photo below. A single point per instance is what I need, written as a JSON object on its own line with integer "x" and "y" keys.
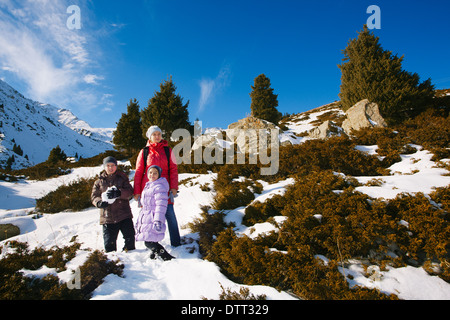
{"x": 8, "y": 231}
{"x": 245, "y": 133}
{"x": 210, "y": 139}
{"x": 251, "y": 122}
{"x": 364, "y": 114}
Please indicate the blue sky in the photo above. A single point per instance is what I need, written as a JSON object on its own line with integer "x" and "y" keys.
{"x": 212, "y": 49}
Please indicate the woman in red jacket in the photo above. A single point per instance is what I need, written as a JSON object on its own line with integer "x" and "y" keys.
{"x": 161, "y": 155}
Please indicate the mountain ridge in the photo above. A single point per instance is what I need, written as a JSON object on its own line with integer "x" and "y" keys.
{"x": 38, "y": 127}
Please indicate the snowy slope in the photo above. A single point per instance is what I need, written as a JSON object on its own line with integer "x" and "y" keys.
{"x": 300, "y": 124}
{"x": 67, "y": 118}
{"x": 187, "y": 277}
{"x": 37, "y": 128}
{"x": 415, "y": 173}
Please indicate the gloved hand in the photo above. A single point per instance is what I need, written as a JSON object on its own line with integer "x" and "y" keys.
{"x": 157, "y": 225}
{"x": 106, "y": 199}
{"x": 113, "y": 193}
{"x": 102, "y": 204}
{"x": 110, "y": 195}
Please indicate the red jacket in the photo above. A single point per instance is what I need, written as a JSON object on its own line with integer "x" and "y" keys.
{"x": 156, "y": 156}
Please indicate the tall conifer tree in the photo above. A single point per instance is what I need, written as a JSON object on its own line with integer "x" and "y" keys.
{"x": 166, "y": 110}
{"x": 370, "y": 72}
{"x": 128, "y": 134}
{"x": 264, "y": 101}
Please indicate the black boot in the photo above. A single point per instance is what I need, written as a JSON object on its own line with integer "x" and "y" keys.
{"x": 158, "y": 250}
{"x": 165, "y": 255}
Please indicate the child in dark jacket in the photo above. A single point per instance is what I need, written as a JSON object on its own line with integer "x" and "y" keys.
{"x": 151, "y": 223}
{"x": 111, "y": 193}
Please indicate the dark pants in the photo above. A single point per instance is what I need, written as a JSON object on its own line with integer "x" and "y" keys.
{"x": 111, "y": 231}
{"x": 172, "y": 225}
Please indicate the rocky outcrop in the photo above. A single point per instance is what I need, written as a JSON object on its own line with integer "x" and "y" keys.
{"x": 212, "y": 138}
{"x": 364, "y": 114}
{"x": 246, "y": 133}
{"x": 251, "y": 122}
{"x": 325, "y": 130}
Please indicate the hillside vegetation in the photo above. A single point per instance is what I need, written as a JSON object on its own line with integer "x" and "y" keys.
{"x": 326, "y": 217}
{"x": 329, "y": 226}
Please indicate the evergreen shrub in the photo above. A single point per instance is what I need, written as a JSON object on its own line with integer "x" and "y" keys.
{"x": 95, "y": 269}
{"x": 16, "y": 286}
{"x": 336, "y": 153}
{"x": 75, "y": 196}
{"x": 431, "y": 130}
{"x": 243, "y": 294}
{"x": 370, "y": 72}
{"x": 233, "y": 189}
{"x": 259, "y": 212}
{"x": 208, "y": 226}
{"x": 327, "y": 217}
{"x": 51, "y": 169}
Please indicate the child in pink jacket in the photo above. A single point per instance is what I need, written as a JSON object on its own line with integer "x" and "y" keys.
{"x": 151, "y": 223}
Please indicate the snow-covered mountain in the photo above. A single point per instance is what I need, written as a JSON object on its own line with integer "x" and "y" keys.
{"x": 37, "y": 128}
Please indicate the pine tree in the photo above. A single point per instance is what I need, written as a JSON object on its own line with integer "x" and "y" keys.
{"x": 264, "y": 101}
{"x": 166, "y": 110}
{"x": 56, "y": 155}
{"x": 370, "y": 72}
{"x": 128, "y": 134}
{"x": 9, "y": 162}
{"x": 18, "y": 150}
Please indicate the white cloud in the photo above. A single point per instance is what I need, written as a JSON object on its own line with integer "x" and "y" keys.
{"x": 38, "y": 48}
{"x": 23, "y": 55}
{"x": 89, "y": 100}
{"x": 118, "y": 25}
{"x": 209, "y": 88}
{"x": 206, "y": 90}
{"x": 92, "y": 78}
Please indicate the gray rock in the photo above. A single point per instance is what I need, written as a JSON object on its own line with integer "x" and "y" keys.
{"x": 364, "y": 114}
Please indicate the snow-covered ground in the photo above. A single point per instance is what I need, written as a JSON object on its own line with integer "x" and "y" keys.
{"x": 189, "y": 277}
{"x": 305, "y": 122}
{"x": 415, "y": 173}
{"x": 185, "y": 278}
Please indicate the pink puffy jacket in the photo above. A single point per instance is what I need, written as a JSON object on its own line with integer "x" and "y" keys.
{"x": 154, "y": 199}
